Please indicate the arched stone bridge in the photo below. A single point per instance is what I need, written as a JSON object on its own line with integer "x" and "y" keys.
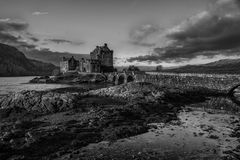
{"x": 124, "y": 77}
{"x": 121, "y": 77}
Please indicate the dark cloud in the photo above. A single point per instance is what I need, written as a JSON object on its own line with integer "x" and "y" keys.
{"x": 60, "y": 41}
{"x": 214, "y": 30}
{"x": 143, "y": 34}
{"x": 16, "y": 34}
{"x": 8, "y": 38}
{"x": 16, "y": 41}
{"x": 34, "y": 39}
{"x": 146, "y": 58}
{"x": 11, "y": 33}
{"x": 31, "y": 37}
{"x": 24, "y": 46}
{"x": 13, "y": 26}
{"x": 143, "y": 44}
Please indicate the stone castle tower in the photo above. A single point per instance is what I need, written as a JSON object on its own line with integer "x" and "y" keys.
{"x": 105, "y": 56}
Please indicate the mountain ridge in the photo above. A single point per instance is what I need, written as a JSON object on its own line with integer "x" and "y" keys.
{"x": 15, "y": 63}
{"x": 224, "y": 66}
{"x": 52, "y": 57}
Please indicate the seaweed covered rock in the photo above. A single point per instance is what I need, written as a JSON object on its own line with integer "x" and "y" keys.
{"x": 72, "y": 78}
{"x": 39, "y": 101}
{"x": 42, "y": 79}
{"x": 144, "y": 92}
{"x": 131, "y": 91}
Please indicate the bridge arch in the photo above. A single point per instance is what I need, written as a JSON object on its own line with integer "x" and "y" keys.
{"x": 114, "y": 79}
{"x": 130, "y": 78}
{"x": 121, "y": 79}
{"x": 232, "y": 90}
{"x": 231, "y": 94}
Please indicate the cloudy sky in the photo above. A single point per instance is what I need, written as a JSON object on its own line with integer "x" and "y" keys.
{"x": 141, "y": 32}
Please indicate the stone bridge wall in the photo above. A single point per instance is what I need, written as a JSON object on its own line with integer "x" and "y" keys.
{"x": 223, "y": 83}
{"x": 146, "y": 78}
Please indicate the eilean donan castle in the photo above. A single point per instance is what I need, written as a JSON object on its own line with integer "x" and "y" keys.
{"x": 101, "y": 61}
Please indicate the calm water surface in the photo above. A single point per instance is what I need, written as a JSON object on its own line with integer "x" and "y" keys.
{"x": 16, "y": 84}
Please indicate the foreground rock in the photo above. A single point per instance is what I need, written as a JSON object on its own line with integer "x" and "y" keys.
{"x": 38, "y": 101}
{"x": 52, "y": 124}
{"x": 147, "y": 92}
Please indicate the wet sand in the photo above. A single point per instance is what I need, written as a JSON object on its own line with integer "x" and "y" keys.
{"x": 196, "y": 135}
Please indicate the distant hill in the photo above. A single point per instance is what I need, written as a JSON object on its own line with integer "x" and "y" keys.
{"x": 14, "y": 63}
{"x": 142, "y": 68}
{"x": 225, "y": 66}
{"x": 52, "y": 57}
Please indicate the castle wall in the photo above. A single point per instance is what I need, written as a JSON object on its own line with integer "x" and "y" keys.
{"x": 90, "y": 66}
{"x": 107, "y": 59}
{"x": 63, "y": 66}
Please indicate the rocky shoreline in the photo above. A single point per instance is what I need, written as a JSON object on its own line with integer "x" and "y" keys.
{"x": 71, "y": 78}
{"x": 57, "y": 123}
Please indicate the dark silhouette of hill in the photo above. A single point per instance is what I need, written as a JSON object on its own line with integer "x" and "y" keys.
{"x": 225, "y": 66}
{"x": 142, "y": 68}
{"x": 51, "y": 57}
{"x": 14, "y": 63}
